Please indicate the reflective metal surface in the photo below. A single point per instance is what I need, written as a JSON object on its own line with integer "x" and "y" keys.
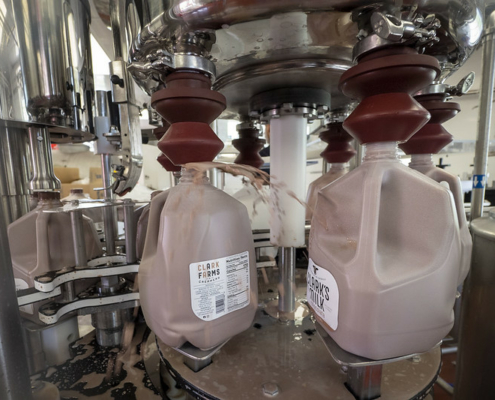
{"x": 14, "y": 173}
{"x": 125, "y": 25}
{"x": 14, "y": 377}
{"x": 475, "y": 368}
{"x": 485, "y": 118}
{"x": 292, "y": 357}
{"x": 287, "y": 283}
{"x": 43, "y": 177}
{"x": 267, "y": 44}
{"x": 56, "y": 71}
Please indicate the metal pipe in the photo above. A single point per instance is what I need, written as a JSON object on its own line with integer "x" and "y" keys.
{"x": 213, "y": 177}
{"x": 43, "y": 178}
{"x": 109, "y": 214}
{"x": 449, "y": 350}
{"x": 287, "y": 279}
{"x": 324, "y": 166}
{"x": 79, "y": 244}
{"x": 80, "y": 255}
{"x": 14, "y": 378}
{"x": 14, "y": 173}
{"x": 445, "y": 385}
{"x": 130, "y": 232}
{"x": 484, "y": 120}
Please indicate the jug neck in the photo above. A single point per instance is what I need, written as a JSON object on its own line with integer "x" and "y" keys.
{"x": 336, "y": 167}
{"x": 381, "y": 151}
{"x": 421, "y": 160}
{"x": 188, "y": 176}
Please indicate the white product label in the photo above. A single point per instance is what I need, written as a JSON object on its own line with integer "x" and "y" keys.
{"x": 323, "y": 294}
{"x": 219, "y": 286}
{"x": 21, "y": 284}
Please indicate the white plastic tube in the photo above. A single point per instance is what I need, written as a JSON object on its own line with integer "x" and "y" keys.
{"x": 288, "y": 180}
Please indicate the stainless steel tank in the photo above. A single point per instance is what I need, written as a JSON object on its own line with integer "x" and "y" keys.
{"x": 55, "y": 58}
{"x": 475, "y": 368}
{"x": 46, "y": 85}
{"x": 259, "y": 45}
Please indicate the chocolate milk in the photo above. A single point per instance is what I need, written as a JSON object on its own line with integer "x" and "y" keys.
{"x": 142, "y": 226}
{"x": 424, "y": 164}
{"x": 336, "y": 171}
{"x": 41, "y": 242}
{"x": 198, "y": 279}
{"x": 385, "y": 256}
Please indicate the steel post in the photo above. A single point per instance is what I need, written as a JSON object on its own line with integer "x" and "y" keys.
{"x": 287, "y": 279}
{"x": 484, "y": 120}
{"x": 14, "y": 378}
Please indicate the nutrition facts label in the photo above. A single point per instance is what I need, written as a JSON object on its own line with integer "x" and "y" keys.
{"x": 219, "y": 286}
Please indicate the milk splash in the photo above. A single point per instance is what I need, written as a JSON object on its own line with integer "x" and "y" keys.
{"x": 254, "y": 177}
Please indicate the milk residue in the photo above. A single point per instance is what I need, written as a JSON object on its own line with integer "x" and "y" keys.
{"x": 252, "y": 176}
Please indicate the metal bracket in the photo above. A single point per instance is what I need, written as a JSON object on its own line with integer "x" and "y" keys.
{"x": 50, "y": 313}
{"x": 347, "y": 359}
{"x": 50, "y": 281}
{"x": 31, "y": 295}
{"x": 118, "y": 78}
{"x": 363, "y": 375}
{"x": 196, "y": 359}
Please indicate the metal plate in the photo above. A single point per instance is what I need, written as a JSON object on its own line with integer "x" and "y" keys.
{"x": 292, "y": 356}
{"x": 58, "y": 134}
{"x": 239, "y": 86}
{"x": 343, "y": 357}
{"x": 53, "y": 279}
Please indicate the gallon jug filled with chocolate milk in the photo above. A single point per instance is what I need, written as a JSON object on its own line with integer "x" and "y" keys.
{"x": 337, "y": 154}
{"x": 197, "y": 277}
{"x": 42, "y": 241}
{"x": 429, "y": 140}
{"x": 384, "y": 244}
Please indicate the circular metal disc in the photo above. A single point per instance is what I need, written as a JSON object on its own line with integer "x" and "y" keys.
{"x": 291, "y": 355}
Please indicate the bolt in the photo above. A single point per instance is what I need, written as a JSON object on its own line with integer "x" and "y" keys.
{"x": 270, "y": 389}
{"x": 39, "y": 138}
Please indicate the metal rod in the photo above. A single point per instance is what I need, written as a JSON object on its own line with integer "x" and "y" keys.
{"x": 80, "y": 255}
{"x": 324, "y": 166}
{"x": 130, "y": 232}
{"x": 79, "y": 244}
{"x": 213, "y": 176}
{"x": 449, "y": 350}
{"x": 109, "y": 214}
{"x": 14, "y": 378}
{"x": 365, "y": 382}
{"x": 41, "y": 156}
{"x": 287, "y": 280}
{"x": 484, "y": 120}
{"x": 14, "y": 173}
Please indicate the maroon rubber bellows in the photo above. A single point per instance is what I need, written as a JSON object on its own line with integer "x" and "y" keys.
{"x": 339, "y": 149}
{"x": 162, "y": 158}
{"x": 167, "y": 164}
{"x": 161, "y": 130}
{"x": 433, "y": 137}
{"x": 249, "y": 146}
{"x": 189, "y": 105}
{"x": 384, "y": 81}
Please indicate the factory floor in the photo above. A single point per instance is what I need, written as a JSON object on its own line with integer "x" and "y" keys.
{"x": 448, "y": 375}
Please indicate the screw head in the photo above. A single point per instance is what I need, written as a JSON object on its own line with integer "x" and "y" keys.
{"x": 270, "y": 389}
{"x": 416, "y": 359}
